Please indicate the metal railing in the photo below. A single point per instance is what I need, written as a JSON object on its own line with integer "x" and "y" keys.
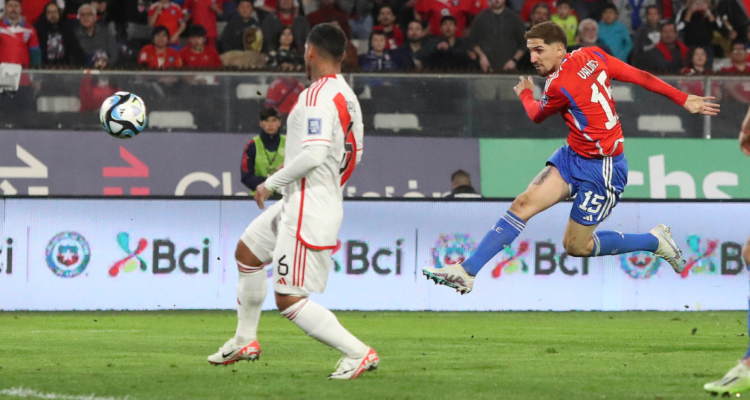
{"x": 450, "y": 105}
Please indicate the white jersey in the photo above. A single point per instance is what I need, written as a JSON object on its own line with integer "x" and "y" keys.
{"x": 326, "y": 114}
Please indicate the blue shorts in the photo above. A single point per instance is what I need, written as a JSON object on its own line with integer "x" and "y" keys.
{"x": 595, "y": 183}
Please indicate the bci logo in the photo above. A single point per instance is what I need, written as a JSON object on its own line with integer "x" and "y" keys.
{"x": 165, "y": 257}
{"x": 7, "y": 264}
{"x": 359, "y": 258}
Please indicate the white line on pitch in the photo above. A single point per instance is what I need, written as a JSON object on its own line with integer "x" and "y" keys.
{"x": 21, "y": 392}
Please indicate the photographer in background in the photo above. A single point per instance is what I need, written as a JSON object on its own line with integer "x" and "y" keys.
{"x": 462, "y": 189}
{"x": 264, "y": 154}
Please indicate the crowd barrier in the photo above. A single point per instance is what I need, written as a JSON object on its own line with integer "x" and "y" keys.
{"x": 141, "y": 254}
{"x": 91, "y": 163}
{"x": 393, "y": 104}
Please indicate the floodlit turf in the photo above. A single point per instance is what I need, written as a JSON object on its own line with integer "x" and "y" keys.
{"x": 162, "y": 355}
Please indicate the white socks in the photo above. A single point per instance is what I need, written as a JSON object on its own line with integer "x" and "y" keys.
{"x": 251, "y": 293}
{"x": 322, "y": 325}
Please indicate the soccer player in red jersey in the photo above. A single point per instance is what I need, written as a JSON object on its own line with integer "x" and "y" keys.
{"x": 159, "y": 55}
{"x": 196, "y": 54}
{"x": 592, "y": 167}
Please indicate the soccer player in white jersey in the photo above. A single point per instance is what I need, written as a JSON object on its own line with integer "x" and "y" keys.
{"x": 298, "y": 233}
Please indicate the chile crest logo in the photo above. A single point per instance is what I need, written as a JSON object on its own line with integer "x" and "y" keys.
{"x": 640, "y": 264}
{"x": 68, "y": 254}
{"x": 452, "y": 249}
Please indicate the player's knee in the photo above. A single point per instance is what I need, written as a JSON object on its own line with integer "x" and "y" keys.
{"x": 284, "y": 301}
{"x": 576, "y": 249}
{"x": 520, "y": 206}
{"x": 244, "y": 256}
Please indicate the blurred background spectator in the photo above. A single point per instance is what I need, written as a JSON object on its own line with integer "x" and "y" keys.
{"x": 94, "y": 90}
{"x": 387, "y": 20}
{"x": 197, "y": 54}
{"x": 614, "y": 34}
{"x": 588, "y": 36}
{"x": 233, "y": 37}
{"x": 285, "y": 56}
{"x": 696, "y": 25}
{"x": 102, "y": 11}
{"x": 283, "y": 94}
{"x": 529, "y": 5}
{"x": 462, "y": 188}
{"x": 565, "y": 18}
{"x": 167, "y": 14}
{"x": 360, "y": 16}
{"x": 328, "y": 11}
{"x": 670, "y": 54}
{"x": 410, "y": 54}
{"x": 590, "y": 9}
{"x": 57, "y": 42}
{"x": 697, "y": 63}
{"x": 447, "y": 52}
{"x": 540, "y": 13}
{"x": 159, "y": 55}
{"x": 378, "y": 58}
{"x": 739, "y": 59}
{"x": 286, "y": 15}
{"x": 498, "y": 22}
{"x": 94, "y": 37}
{"x": 433, "y": 12}
{"x": 204, "y": 13}
{"x": 632, "y": 13}
{"x": 19, "y": 43}
{"x": 647, "y": 36}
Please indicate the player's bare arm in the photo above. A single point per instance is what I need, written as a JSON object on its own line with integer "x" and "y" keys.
{"x": 745, "y": 134}
{"x": 261, "y": 195}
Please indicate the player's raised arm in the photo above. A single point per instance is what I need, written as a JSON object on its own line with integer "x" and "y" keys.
{"x": 626, "y": 73}
{"x": 525, "y": 91}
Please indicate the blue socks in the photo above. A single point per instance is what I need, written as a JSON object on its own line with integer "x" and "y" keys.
{"x": 607, "y": 243}
{"x": 506, "y": 230}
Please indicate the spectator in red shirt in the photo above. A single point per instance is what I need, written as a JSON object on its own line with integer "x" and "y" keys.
{"x": 433, "y": 11}
{"x": 204, "y": 13}
{"x": 328, "y": 12}
{"x": 19, "y": 43}
{"x": 283, "y": 94}
{"x": 528, "y": 6}
{"x": 197, "y": 54}
{"x": 169, "y": 15}
{"x": 159, "y": 55}
{"x": 93, "y": 91}
{"x": 393, "y": 35}
{"x": 286, "y": 15}
{"x": 739, "y": 65}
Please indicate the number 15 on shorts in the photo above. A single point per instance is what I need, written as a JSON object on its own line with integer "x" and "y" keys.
{"x": 595, "y": 200}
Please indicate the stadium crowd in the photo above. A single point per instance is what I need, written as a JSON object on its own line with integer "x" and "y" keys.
{"x": 667, "y": 36}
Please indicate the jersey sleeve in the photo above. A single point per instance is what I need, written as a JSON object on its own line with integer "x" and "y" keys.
{"x": 626, "y": 73}
{"x": 320, "y": 116}
{"x": 552, "y": 102}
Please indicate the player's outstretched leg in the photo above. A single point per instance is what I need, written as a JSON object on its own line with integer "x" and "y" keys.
{"x": 738, "y": 378}
{"x": 320, "y": 324}
{"x": 251, "y": 293}
{"x": 658, "y": 241}
{"x": 546, "y": 190}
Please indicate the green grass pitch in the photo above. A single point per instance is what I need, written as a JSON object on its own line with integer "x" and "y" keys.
{"x": 424, "y": 355}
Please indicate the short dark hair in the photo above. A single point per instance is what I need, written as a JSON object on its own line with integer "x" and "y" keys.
{"x": 329, "y": 40}
{"x": 549, "y": 32}
{"x": 666, "y": 23}
{"x": 541, "y": 5}
{"x": 19, "y": 1}
{"x": 739, "y": 40}
{"x": 196, "y": 31}
{"x": 653, "y": 6}
{"x": 159, "y": 29}
{"x": 269, "y": 112}
{"x": 461, "y": 175}
{"x": 378, "y": 32}
{"x": 448, "y": 18}
{"x": 249, "y": 1}
{"x": 421, "y": 24}
{"x": 568, "y": 2}
{"x": 610, "y": 6}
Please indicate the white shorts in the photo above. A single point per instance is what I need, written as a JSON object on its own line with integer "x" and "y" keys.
{"x": 297, "y": 270}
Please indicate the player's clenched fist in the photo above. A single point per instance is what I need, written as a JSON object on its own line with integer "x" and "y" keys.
{"x": 525, "y": 83}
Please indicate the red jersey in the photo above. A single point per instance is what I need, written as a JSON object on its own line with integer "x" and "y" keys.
{"x": 393, "y": 39}
{"x": 16, "y": 41}
{"x": 734, "y": 70}
{"x": 170, "y": 17}
{"x": 169, "y": 58}
{"x": 201, "y": 14}
{"x": 33, "y": 9}
{"x": 283, "y": 94}
{"x": 580, "y": 90}
{"x": 434, "y": 10}
{"x": 208, "y": 58}
{"x": 528, "y": 5}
